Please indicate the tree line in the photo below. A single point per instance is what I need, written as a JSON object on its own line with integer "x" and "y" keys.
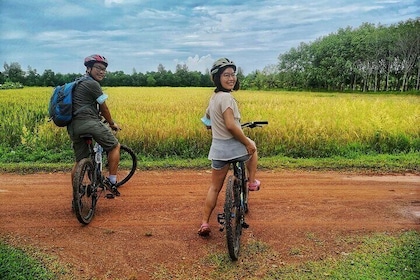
{"x": 369, "y": 58}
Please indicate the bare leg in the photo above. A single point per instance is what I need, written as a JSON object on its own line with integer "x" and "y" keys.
{"x": 217, "y": 180}
{"x": 251, "y": 166}
{"x": 113, "y": 160}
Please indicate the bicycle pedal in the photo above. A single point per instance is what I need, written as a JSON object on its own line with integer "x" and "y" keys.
{"x": 115, "y": 192}
{"x": 110, "y": 196}
{"x": 245, "y": 225}
{"x": 221, "y": 218}
{"x": 221, "y": 228}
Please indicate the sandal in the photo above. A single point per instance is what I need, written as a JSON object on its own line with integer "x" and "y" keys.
{"x": 255, "y": 186}
{"x": 204, "y": 230}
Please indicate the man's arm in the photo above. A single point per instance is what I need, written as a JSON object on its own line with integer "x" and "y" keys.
{"x": 103, "y": 108}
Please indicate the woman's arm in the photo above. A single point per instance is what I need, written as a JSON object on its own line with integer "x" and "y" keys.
{"x": 237, "y": 131}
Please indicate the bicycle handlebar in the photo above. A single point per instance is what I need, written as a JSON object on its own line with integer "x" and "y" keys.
{"x": 207, "y": 123}
{"x": 106, "y": 122}
{"x": 254, "y": 124}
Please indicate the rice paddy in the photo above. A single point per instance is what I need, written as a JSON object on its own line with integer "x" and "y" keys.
{"x": 165, "y": 122}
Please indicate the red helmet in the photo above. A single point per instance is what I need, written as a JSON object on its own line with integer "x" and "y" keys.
{"x": 92, "y": 59}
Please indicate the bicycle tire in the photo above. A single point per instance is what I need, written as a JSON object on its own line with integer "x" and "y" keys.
{"x": 232, "y": 211}
{"x": 84, "y": 194}
{"x": 127, "y": 166}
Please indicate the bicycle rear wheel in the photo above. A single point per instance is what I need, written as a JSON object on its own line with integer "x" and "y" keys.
{"x": 127, "y": 166}
{"x": 233, "y": 216}
{"x": 84, "y": 193}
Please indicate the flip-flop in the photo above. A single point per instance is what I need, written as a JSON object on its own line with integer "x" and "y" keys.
{"x": 204, "y": 230}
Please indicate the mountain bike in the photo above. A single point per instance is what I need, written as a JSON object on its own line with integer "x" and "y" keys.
{"x": 236, "y": 202}
{"x": 89, "y": 180}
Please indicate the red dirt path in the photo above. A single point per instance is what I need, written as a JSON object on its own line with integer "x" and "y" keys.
{"x": 154, "y": 221}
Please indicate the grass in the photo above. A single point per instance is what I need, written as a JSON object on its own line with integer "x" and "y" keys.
{"x": 30, "y": 264}
{"x": 15, "y": 264}
{"x": 379, "y": 256}
{"x": 401, "y": 163}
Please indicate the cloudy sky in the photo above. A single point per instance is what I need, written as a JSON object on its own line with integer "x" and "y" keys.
{"x": 141, "y": 34}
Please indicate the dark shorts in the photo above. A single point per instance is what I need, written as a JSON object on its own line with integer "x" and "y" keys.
{"x": 100, "y": 132}
{"x": 219, "y": 164}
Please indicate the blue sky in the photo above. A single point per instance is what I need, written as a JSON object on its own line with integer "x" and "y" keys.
{"x": 141, "y": 34}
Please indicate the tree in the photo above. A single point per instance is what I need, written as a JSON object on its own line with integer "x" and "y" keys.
{"x": 32, "y": 77}
{"x": 14, "y": 72}
{"x": 368, "y": 58}
{"x": 408, "y": 42}
{"x": 48, "y": 78}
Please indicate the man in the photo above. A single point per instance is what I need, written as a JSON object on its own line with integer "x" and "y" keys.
{"x": 89, "y": 100}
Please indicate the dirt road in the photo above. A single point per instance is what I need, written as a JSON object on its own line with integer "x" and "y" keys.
{"x": 155, "y": 220}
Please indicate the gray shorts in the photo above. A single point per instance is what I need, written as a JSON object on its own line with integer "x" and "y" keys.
{"x": 219, "y": 164}
{"x": 100, "y": 132}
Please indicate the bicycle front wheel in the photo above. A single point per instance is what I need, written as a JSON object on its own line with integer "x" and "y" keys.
{"x": 84, "y": 193}
{"x": 233, "y": 216}
{"x": 127, "y": 166}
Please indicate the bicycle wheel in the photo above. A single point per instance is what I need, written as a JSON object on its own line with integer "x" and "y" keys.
{"x": 233, "y": 217}
{"x": 127, "y": 166}
{"x": 84, "y": 193}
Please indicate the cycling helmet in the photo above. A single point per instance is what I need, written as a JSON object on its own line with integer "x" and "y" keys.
{"x": 92, "y": 59}
{"x": 221, "y": 63}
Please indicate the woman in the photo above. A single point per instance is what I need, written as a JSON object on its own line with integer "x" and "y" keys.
{"x": 228, "y": 140}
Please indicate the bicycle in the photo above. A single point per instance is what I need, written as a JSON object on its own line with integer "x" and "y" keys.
{"x": 236, "y": 202}
{"x": 89, "y": 180}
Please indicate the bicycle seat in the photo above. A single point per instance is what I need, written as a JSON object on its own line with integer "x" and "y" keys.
{"x": 86, "y": 136}
{"x": 241, "y": 159}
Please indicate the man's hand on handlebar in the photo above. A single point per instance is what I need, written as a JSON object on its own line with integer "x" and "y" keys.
{"x": 114, "y": 126}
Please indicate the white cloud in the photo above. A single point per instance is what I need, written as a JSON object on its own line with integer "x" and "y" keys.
{"x": 197, "y": 63}
{"x": 109, "y": 3}
{"x": 142, "y": 34}
{"x": 13, "y": 35}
